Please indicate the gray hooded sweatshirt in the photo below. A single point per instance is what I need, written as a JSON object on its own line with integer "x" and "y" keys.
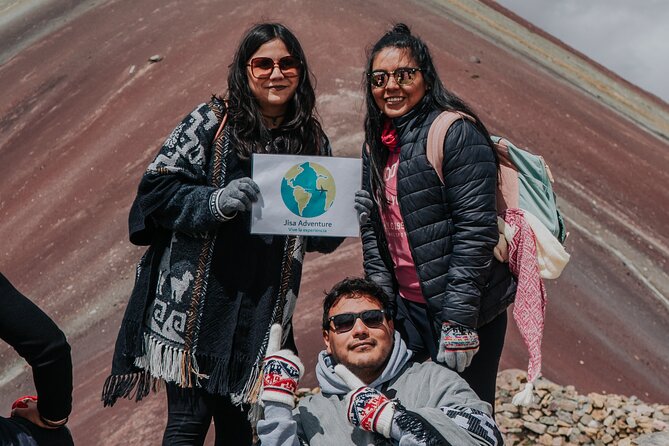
{"x": 435, "y": 407}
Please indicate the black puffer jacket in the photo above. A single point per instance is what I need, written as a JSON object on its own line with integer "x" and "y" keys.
{"x": 452, "y": 228}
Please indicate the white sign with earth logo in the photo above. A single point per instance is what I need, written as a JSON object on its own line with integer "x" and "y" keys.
{"x": 306, "y": 195}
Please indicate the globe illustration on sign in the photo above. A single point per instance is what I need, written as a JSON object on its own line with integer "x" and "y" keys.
{"x": 308, "y": 189}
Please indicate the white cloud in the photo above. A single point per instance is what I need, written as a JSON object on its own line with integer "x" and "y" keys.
{"x": 630, "y": 38}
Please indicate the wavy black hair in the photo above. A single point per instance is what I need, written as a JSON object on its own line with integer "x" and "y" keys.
{"x": 300, "y": 132}
{"x": 400, "y": 37}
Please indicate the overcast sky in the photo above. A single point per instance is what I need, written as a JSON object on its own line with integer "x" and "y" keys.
{"x": 630, "y": 37}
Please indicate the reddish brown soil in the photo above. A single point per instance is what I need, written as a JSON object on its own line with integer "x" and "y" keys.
{"x": 83, "y": 112}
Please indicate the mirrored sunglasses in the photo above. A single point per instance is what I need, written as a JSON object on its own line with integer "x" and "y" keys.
{"x": 346, "y": 321}
{"x": 262, "y": 67}
{"x": 403, "y": 76}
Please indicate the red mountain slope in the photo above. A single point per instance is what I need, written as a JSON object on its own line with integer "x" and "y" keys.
{"x": 83, "y": 112}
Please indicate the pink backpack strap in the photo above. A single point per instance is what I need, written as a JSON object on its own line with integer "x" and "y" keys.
{"x": 436, "y": 137}
{"x": 507, "y": 179}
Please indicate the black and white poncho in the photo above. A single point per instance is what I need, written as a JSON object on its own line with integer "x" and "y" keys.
{"x": 206, "y": 291}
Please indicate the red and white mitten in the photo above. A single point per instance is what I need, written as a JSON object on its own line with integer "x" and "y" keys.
{"x": 368, "y": 408}
{"x": 282, "y": 370}
{"x": 21, "y": 403}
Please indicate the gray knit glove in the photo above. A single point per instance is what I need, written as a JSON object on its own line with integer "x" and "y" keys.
{"x": 363, "y": 205}
{"x": 237, "y": 196}
{"x": 457, "y": 346}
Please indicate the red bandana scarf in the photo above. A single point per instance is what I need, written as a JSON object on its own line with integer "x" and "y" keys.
{"x": 389, "y": 136}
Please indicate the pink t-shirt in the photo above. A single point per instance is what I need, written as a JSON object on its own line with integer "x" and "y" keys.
{"x": 396, "y": 235}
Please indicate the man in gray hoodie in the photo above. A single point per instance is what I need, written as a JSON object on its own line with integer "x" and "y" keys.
{"x": 371, "y": 393}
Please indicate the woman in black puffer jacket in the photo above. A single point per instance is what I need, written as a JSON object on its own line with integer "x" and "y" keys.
{"x": 427, "y": 243}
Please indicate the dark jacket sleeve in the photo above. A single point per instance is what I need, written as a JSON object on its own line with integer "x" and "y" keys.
{"x": 173, "y": 194}
{"x": 470, "y": 175}
{"x": 371, "y": 232}
{"x": 43, "y": 345}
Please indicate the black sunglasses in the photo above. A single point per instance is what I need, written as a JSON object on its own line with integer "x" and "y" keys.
{"x": 346, "y": 321}
{"x": 262, "y": 67}
{"x": 403, "y": 76}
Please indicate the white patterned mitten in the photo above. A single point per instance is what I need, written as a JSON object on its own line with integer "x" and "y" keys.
{"x": 368, "y": 408}
{"x": 282, "y": 370}
{"x": 457, "y": 346}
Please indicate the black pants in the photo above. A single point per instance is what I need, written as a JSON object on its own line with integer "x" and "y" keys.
{"x": 415, "y": 327}
{"x": 189, "y": 414}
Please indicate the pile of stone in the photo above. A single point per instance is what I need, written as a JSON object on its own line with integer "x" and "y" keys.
{"x": 559, "y": 416}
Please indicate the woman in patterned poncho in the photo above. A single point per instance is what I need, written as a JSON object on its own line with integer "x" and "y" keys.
{"x": 207, "y": 290}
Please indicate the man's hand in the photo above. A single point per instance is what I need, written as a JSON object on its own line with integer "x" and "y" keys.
{"x": 457, "y": 346}
{"x": 282, "y": 371}
{"x": 368, "y": 408}
{"x": 26, "y": 407}
{"x": 363, "y": 205}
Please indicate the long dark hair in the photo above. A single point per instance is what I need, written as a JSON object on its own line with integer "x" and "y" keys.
{"x": 400, "y": 37}
{"x": 300, "y": 132}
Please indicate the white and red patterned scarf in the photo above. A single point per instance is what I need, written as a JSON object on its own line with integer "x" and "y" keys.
{"x": 529, "y": 309}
